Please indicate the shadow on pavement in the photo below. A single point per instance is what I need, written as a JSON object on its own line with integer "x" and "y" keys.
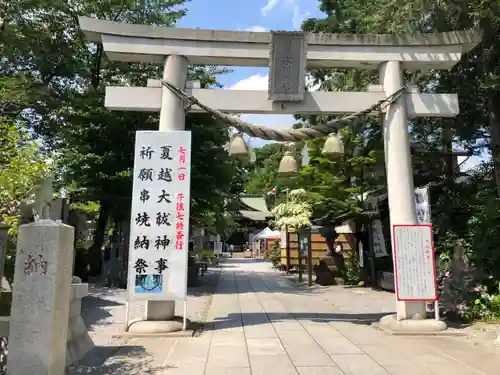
{"x": 111, "y": 360}
{"x": 95, "y": 309}
{"x": 234, "y": 320}
{"x": 225, "y": 261}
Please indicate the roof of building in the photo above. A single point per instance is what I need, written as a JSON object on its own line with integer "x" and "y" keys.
{"x": 255, "y": 215}
{"x": 254, "y": 202}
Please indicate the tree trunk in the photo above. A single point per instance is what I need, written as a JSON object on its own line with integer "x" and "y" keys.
{"x": 95, "y": 250}
{"x": 494, "y": 124}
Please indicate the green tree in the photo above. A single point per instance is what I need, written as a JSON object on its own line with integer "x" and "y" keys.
{"x": 475, "y": 79}
{"x": 95, "y": 146}
{"x": 22, "y": 165}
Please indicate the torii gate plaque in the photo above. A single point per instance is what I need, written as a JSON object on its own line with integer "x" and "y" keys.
{"x": 287, "y": 66}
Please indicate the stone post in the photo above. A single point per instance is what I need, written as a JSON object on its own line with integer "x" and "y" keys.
{"x": 172, "y": 117}
{"x": 399, "y": 168}
{"x": 41, "y": 295}
{"x": 4, "y": 237}
{"x": 410, "y": 316}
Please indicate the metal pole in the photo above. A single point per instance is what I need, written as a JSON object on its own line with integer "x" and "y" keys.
{"x": 299, "y": 258}
{"x": 127, "y": 315}
{"x": 287, "y": 250}
{"x": 309, "y": 259}
{"x": 436, "y": 310}
{"x": 184, "y": 316}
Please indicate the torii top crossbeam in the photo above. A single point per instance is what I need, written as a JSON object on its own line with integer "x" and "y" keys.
{"x": 143, "y": 43}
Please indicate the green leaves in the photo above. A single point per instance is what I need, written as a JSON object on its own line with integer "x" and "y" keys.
{"x": 21, "y": 169}
{"x": 295, "y": 213}
{"x": 62, "y": 100}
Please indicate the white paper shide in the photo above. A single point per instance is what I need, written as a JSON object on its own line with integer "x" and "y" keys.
{"x": 159, "y": 231}
{"x": 423, "y": 205}
{"x": 414, "y": 263}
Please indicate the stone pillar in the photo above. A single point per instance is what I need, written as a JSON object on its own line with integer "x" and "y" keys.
{"x": 399, "y": 168}
{"x": 78, "y": 341}
{"x": 4, "y": 237}
{"x": 40, "y": 303}
{"x": 172, "y": 117}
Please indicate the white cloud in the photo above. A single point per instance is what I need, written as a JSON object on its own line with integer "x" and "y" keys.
{"x": 261, "y": 82}
{"x": 274, "y": 121}
{"x": 271, "y": 4}
{"x": 298, "y": 16}
{"x": 256, "y": 28}
{"x": 255, "y": 82}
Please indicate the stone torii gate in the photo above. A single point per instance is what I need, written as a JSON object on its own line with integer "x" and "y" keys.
{"x": 391, "y": 55}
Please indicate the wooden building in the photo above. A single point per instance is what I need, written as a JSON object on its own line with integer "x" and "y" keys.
{"x": 319, "y": 247}
{"x": 253, "y": 216}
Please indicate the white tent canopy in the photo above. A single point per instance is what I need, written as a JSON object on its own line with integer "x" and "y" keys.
{"x": 267, "y": 233}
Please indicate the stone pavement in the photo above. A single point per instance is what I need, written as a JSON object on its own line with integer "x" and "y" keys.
{"x": 260, "y": 323}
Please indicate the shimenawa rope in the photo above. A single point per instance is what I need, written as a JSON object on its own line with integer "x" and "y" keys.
{"x": 291, "y": 135}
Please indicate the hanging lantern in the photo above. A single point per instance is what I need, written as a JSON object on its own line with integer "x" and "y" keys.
{"x": 238, "y": 147}
{"x": 288, "y": 165}
{"x": 333, "y": 147}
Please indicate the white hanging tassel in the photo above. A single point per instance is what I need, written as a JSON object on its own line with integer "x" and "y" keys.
{"x": 305, "y": 154}
{"x": 251, "y": 152}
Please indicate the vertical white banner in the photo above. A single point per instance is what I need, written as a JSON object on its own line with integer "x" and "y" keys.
{"x": 283, "y": 236}
{"x": 159, "y": 229}
{"x": 378, "y": 239}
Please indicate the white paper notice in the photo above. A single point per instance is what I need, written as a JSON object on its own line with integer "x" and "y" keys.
{"x": 414, "y": 263}
{"x": 159, "y": 230}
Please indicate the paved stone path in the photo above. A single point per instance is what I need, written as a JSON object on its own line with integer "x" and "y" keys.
{"x": 259, "y": 323}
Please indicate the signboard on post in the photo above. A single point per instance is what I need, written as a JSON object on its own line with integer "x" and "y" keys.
{"x": 287, "y": 66}
{"x": 159, "y": 229}
{"x": 414, "y": 266}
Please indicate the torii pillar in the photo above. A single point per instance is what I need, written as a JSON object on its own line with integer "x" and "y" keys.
{"x": 390, "y": 54}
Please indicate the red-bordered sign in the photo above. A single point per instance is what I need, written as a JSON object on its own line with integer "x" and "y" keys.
{"x": 414, "y": 263}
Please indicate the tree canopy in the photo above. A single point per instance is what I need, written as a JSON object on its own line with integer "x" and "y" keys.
{"x": 64, "y": 77}
{"x": 472, "y": 198}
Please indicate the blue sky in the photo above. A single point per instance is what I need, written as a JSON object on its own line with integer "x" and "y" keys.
{"x": 251, "y": 15}
{"x": 257, "y": 15}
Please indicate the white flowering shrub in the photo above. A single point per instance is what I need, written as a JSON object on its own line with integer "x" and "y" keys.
{"x": 296, "y": 213}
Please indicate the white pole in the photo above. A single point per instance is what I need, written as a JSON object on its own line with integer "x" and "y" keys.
{"x": 184, "y": 316}
{"x": 172, "y": 117}
{"x": 436, "y": 309}
{"x": 127, "y": 315}
{"x": 399, "y": 168}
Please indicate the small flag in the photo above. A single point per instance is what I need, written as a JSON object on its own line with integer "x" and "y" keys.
{"x": 273, "y": 191}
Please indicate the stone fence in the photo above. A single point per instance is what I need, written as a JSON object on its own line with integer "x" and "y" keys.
{"x": 78, "y": 342}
